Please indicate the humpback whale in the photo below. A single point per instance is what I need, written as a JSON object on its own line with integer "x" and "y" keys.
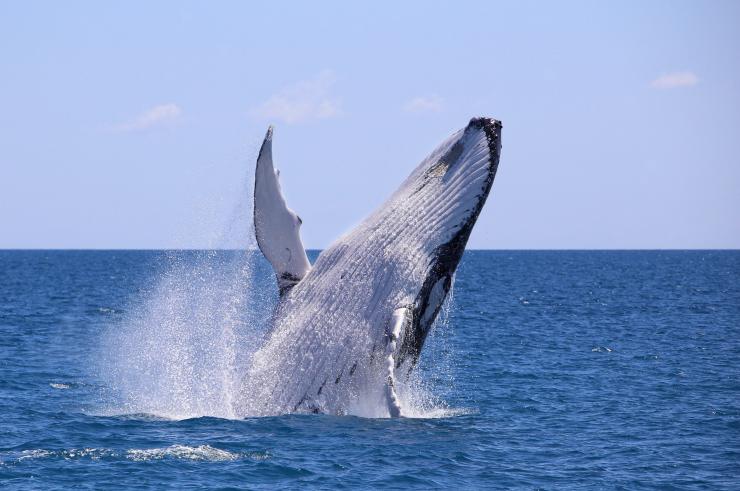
{"x": 349, "y": 327}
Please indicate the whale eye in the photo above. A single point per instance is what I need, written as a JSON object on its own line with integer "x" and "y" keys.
{"x": 300, "y": 222}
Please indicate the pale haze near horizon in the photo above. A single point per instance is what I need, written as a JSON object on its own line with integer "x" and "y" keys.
{"x": 136, "y": 125}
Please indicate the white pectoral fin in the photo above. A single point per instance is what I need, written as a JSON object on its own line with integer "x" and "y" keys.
{"x": 396, "y": 327}
{"x": 276, "y": 226}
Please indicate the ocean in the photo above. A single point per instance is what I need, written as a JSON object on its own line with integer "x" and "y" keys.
{"x": 546, "y": 370}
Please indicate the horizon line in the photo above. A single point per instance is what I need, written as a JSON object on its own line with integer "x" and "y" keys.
{"x": 185, "y": 249}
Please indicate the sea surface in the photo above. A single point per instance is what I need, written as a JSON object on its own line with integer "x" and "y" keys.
{"x": 548, "y": 370}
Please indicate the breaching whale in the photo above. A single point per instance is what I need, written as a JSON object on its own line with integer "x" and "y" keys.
{"x": 347, "y": 328}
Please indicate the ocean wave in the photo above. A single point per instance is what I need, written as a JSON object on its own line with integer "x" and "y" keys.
{"x": 199, "y": 453}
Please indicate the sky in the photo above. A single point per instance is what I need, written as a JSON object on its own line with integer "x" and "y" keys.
{"x": 137, "y": 124}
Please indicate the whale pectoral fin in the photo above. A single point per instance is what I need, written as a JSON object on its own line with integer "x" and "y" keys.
{"x": 397, "y": 326}
{"x": 277, "y": 227}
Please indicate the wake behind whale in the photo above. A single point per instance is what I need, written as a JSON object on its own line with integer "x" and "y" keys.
{"x": 344, "y": 334}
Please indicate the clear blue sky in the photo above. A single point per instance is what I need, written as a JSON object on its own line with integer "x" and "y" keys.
{"x": 136, "y": 124}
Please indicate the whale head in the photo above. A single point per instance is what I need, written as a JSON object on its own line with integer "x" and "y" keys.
{"x": 451, "y": 185}
{"x": 439, "y": 204}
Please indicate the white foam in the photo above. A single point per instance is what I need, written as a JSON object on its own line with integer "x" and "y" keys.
{"x": 598, "y": 349}
{"x": 33, "y": 454}
{"x": 201, "y": 453}
{"x": 183, "y": 452}
{"x": 67, "y": 454}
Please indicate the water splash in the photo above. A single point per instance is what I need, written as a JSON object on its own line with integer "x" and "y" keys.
{"x": 182, "y": 347}
{"x": 423, "y": 392}
{"x": 180, "y": 351}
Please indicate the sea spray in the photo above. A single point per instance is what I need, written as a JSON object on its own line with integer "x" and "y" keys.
{"x": 424, "y": 390}
{"x": 186, "y": 342}
{"x": 182, "y": 348}
{"x": 186, "y": 339}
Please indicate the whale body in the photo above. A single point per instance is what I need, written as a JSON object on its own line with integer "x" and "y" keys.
{"x": 348, "y": 328}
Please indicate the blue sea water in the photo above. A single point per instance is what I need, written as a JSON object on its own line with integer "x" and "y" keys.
{"x": 551, "y": 370}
